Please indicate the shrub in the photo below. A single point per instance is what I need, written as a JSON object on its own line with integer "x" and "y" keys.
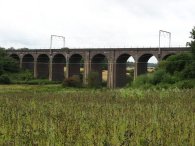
{"x": 187, "y": 84}
{"x": 1, "y": 70}
{"x": 104, "y": 84}
{"x": 189, "y": 71}
{"x": 177, "y": 63}
{"x": 73, "y": 81}
{"x": 93, "y": 80}
{"x": 4, "y": 79}
{"x": 162, "y": 86}
{"x": 158, "y": 77}
{"x": 39, "y": 82}
{"x": 26, "y": 75}
{"x": 142, "y": 80}
{"x": 129, "y": 79}
{"x": 169, "y": 79}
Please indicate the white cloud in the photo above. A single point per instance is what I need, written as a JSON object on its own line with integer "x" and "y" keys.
{"x": 94, "y": 23}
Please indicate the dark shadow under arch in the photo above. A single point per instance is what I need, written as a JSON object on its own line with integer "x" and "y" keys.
{"x": 28, "y": 62}
{"x": 58, "y": 65}
{"x": 99, "y": 63}
{"x": 142, "y": 63}
{"x": 167, "y": 56}
{"x": 16, "y": 57}
{"x": 43, "y": 66}
{"x": 75, "y": 64}
{"x": 121, "y": 70}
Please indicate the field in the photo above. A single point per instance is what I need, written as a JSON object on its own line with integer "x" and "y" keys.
{"x": 51, "y": 115}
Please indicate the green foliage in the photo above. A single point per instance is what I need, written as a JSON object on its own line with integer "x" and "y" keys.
{"x": 38, "y": 82}
{"x": 186, "y": 84}
{"x": 142, "y": 80}
{"x": 161, "y": 76}
{"x": 7, "y": 64}
{"x": 26, "y": 75}
{"x": 93, "y": 81}
{"x": 129, "y": 79}
{"x": 177, "y": 63}
{"x": 192, "y": 43}
{"x": 189, "y": 71}
{"x": 1, "y": 70}
{"x": 158, "y": 77}
{"x": 23, "y": 76}
{"x": 73, "y": 81}
{"x": 52, "y": 115}
{"x": 4, "y": 79}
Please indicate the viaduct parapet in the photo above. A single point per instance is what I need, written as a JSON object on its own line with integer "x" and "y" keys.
{"x": 57, "y": 64}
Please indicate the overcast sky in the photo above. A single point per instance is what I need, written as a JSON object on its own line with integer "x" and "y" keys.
{"x": 95, "y": 23}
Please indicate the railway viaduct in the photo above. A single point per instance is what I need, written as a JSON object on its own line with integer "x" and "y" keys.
{"x": 57, "y": 64}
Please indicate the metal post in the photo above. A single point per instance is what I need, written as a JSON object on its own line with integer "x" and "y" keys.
{"x": 162, "y": 31}
{"x": 56, "y": 36}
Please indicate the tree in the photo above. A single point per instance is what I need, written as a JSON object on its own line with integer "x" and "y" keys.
{"x": 192, "y": 43}
{"x": 7, "y": 64}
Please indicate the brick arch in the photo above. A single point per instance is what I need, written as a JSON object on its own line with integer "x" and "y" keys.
{"x": 45, "y": 54}
{"x": 107, "y": 55}
{"x": 98, "y": 63}
{"x": 142, "y": 63}
{"x": 132, "y": 54}
{"x": 61, "y": 54}
{"x": 28, "y": 62}
{"x": 43, "y": 66}
{"x": 74, "y": 53}
{"x": 167, "y": 55}
{"x": 15, "y": 56}
{"x": 58, "y": 65}
{"x": 121, "y": 69}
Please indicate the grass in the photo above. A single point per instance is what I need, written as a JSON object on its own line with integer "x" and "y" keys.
{"x": 52, "y": 115}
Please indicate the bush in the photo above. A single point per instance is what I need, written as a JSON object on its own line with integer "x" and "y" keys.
{"x": 4, "y": 79}
{"x": 129, "y": 79}
{"x": 142, "y": 80}
{"x": 187, "y": 84}
{"x": 73, "y": 81}
{"x": 1, "y": 70}
{"x": 160, "y": 76}
{"x": 26, "y": 75}
{"x": 177, "y": 63}
{"x": 189, "y": 71}
{"x": 38, "y": 82}
{"x": 93, "y": 81}
{"x": 162, "y": 86}
{"x": 169, "y": 79}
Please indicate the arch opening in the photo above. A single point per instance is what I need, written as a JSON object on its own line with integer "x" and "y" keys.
{"x": 125, "y": 65}
{"x": 28, "y": 62}
{"x": 99, "y": 64}
{"x": 152, "y": 64}
{"x": 76, "y": 63}
{"x": 167, "y": 56}
{"x": 58, "y": 67}
{"x": 15, "y": 57}
{"x": 146, "y": 64}
{"x": 15, "y": 63}
{"x": 43, "y": 66}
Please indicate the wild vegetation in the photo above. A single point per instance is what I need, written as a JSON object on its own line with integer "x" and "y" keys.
{"x": 52, "y": 115}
